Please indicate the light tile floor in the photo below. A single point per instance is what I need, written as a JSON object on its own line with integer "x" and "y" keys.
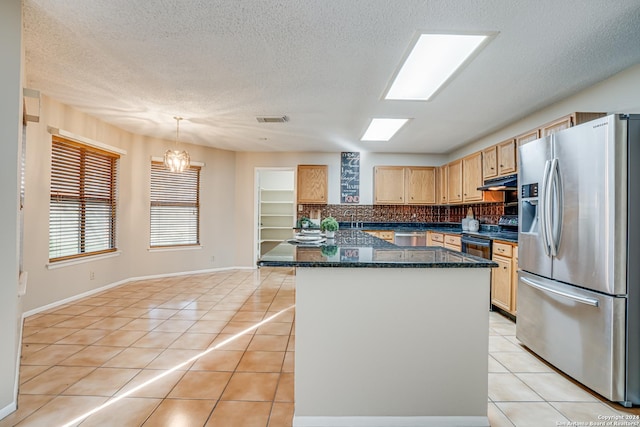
{"x": 186, "y": 351}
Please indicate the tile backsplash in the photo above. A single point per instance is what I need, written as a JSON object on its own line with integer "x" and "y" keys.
{"x": 486, "y": 213}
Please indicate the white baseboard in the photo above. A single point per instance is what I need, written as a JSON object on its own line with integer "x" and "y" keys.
{"x": 421, "y": 421}
{"x": 122, "y": 282}
{"x": 8, "y": 409}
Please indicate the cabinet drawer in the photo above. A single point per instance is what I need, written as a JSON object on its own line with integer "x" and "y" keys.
{"x": 437, "y": 237}
{"x": 502, "y": 249}
{"x": 386, "y": 235}
{"x": 452, "y": 240}
{"x": 388, "y": 255}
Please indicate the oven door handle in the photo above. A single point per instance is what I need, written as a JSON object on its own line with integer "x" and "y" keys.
{"x": 485, "y": 243}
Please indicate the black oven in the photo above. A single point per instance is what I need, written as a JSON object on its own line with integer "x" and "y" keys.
{"x": 477, "y": 246}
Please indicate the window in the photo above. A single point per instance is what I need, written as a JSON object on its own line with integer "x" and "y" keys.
{"x": 175, "y": 206}
{"x": 82, "y": 210}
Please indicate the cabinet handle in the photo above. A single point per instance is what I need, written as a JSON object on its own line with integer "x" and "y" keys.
{"x": 493, "y": 167}
{"x": 501, "y": 165}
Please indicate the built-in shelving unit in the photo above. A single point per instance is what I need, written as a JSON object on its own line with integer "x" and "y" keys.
{"x": 276, "y": 216}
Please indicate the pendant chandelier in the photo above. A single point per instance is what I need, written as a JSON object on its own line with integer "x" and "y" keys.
{"x": 175, "y": 160}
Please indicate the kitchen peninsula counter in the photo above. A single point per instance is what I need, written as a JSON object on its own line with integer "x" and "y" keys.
{"x": 386, "y": 335}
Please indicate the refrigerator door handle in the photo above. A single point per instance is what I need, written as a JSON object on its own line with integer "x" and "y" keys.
{"x": 543, "y": 209}
{"x": 555, "y": 184}
{"x": 576, "y": 298}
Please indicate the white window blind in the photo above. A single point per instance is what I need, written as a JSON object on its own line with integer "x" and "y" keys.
{"x": 82, "y": 209}
{"x": 175, "y": 207}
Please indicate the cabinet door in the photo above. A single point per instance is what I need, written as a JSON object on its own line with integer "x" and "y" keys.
{"x": 527, "y": 137}
{"x": 501, "y": 283}
{"x": 454, "y": 180}
{"x": 435, "y": 239}
{"x": 514, "y": 281}
{"x": 556, "y": 126}
{"x": 389, "y": 185}
{"x": 472, "y": 177}
{"x": 490, "y": 162}
{"x": 507, "y": 157}
{"x": 420, "y": 185}
{"x": 443, "y": 184}
{"x": 312, "y": 184}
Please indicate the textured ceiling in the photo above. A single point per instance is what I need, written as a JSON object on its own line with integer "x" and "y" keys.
{"x": 323, "y": 63}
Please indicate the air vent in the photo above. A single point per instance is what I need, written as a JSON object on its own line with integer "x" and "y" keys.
{"x": 273, "y": 119}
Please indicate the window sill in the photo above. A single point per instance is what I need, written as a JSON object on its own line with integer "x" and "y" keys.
{"x": 176, "y": 248}
{"x": 61, "y": 264}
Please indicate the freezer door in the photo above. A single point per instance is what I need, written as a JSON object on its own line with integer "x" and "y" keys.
{"x": 533, "y": 158}
{"x": 588, "y": 201}
{"x": 579, "y": 332}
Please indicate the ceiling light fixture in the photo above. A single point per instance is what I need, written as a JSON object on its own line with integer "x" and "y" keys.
{"x": 431, "y": 62}
{"x": 175, "y": 160}
{"x": 382, "y": 129}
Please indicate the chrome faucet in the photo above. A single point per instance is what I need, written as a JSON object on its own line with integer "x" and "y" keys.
{"x": 349, "y": 212}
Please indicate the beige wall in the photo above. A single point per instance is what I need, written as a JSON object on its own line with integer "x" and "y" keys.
{"x": 47, "y": 285}
{"x": 10, "y": 138}
{"x": 617, "y": 94}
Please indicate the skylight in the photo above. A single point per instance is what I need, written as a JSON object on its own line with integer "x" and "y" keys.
{"x": 382, "y": 129}
{"x": 432, "y": 61}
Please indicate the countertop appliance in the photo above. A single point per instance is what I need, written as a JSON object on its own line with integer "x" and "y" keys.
{"x": 410, "y": 238}
{"x": 579, "y": 252}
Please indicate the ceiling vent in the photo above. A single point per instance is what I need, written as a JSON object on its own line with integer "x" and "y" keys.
{"x": 273, "y": 119}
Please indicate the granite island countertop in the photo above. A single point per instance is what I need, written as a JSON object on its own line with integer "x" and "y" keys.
{"x": 354, "y": 248}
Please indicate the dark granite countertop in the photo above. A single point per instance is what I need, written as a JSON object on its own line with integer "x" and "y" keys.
{"x": 357, "y": 249}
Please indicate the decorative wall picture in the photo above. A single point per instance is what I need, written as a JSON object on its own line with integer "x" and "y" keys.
{"x": 350, "y": 177}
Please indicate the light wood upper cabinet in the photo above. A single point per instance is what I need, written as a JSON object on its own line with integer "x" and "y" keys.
{"x": 313, "y": 184}
{"x": 528, "y": 137}
{"x": 490, "y": 162}
{"x": 507, "y": 157}
{"x": 556, "y": 126}
{"x": 472, "y": 177}
{"x": 454, "y": 181}
{"x": 397, "y": 185}
{"x": 420, "y": 185}
{"x": 443, "y": 184}
{"x": 389, "y": 185}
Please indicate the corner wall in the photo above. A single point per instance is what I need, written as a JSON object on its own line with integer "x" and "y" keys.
{"x": 11, "y": 140}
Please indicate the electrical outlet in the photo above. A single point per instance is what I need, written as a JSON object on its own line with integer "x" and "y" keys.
{"x": 300, "y": 207}
{"x": 213, "y": 258}
{"x": 92, "y": 275}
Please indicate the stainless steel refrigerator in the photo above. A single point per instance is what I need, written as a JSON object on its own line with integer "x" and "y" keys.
{"x": 579, "y": 253}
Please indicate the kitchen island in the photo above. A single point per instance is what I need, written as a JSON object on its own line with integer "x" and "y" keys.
{"x": 387, "y": 335}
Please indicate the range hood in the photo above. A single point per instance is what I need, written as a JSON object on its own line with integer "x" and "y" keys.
{"x": 505, "y": 183}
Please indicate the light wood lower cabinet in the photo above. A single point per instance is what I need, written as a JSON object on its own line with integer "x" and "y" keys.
{"x": 514, "y": 281}
{"x": 435, "y": 239}
{"x": 453, "y": 242}
{"x": 504, "y": 278}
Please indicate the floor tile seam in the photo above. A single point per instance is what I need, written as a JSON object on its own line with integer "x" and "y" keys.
{"x": 523, "y": 383}
{"x": 70, "y": 385}
{"x": 503, "y": 413}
